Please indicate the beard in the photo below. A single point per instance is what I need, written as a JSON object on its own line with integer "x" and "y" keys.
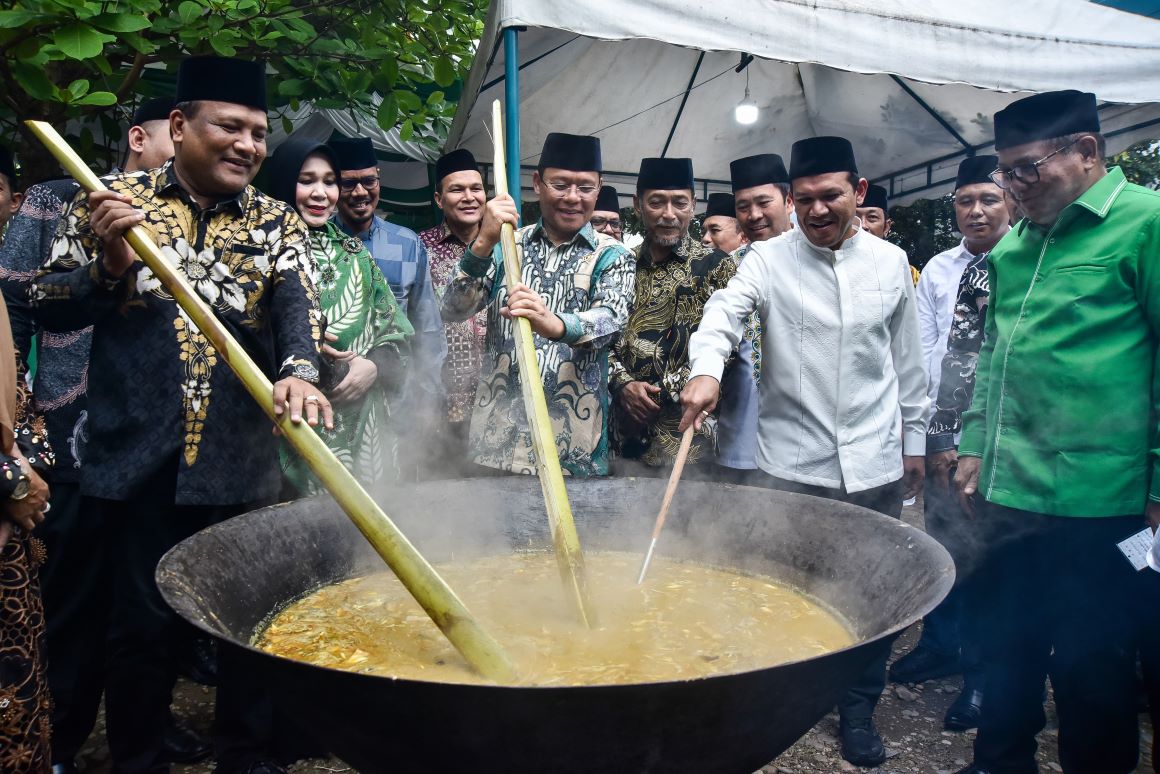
{"x": 665, "y": 241}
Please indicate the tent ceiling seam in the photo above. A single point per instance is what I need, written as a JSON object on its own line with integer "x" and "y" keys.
{"x": 935, "y": 115}
{"x": 684, "y": 99}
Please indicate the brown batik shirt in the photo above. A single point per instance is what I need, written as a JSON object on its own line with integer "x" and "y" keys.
{"x": 158, "y": 390}
{"x": 670, "y": 300}
{"x": 465, "y": 340}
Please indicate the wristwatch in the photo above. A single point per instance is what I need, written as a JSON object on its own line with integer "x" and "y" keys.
{"x": 21, "y": 488}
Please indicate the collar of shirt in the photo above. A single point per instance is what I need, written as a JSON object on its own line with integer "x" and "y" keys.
{"x": 168, "y": 184}
{"x": 857, "y": 240}
{"x": 366, "y": 236}
{"x": 587, "y": 233}
{"x": 1097, "y": 199}
{"x": 447, "y": 235}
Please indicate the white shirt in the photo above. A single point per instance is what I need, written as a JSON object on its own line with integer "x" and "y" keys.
{"x": 937, "y": 293}
{"x": 843, "y": 390}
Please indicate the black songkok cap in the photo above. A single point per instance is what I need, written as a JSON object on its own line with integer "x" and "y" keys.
{"x": 665, "y": 175}
{"x": 216, "y": 78}
{"x": 976, "y": 169}
{"x": 155, "y": 109}
{"x": 456, "y": 161}
{"x": 608, "y": 200}
{"x": 574, "y": 152}
{"x": 762, "y": 169}
{"x": 357, "y": 153}
{"x": 819, "y": 155}
{"x": 1045, "y": 117}
{"x": 876, "y": 197}
{"x": 721, "y": 204}
{"x": 7, "y": 166}
{"x": 287, "y": 162}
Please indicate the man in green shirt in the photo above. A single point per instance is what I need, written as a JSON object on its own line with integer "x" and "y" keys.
{"x": 1058, "y": 452}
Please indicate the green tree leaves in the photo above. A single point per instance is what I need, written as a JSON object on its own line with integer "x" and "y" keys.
{"x": 80, "y": 41}
{"x": 64, "y": 60}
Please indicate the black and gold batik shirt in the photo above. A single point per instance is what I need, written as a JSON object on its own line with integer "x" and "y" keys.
{"x": 670, "y": 299}
{"x": 159, "y": 392}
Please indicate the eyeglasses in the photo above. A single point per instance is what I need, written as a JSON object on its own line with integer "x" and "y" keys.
{"x": 560, "y": 190}
{"x": 1028, "y": 174}
{"x": 602, "y": 222}
{"x": 369, "y": 182}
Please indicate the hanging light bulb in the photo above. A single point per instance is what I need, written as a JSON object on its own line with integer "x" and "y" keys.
{"x": 746, "y": 110}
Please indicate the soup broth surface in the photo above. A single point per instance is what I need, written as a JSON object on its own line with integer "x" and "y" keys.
{"x": 685, "y": 621}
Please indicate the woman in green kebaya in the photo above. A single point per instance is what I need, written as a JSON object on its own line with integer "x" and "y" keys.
{"x": 366, "y": 349}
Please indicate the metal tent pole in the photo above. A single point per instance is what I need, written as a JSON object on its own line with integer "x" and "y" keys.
{"x": 511, "y": 64}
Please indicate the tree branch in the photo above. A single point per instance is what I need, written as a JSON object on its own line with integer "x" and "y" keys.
{"x": 131, "y": 77}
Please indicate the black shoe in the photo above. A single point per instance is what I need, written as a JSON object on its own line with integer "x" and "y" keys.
{"x": 861, "y": 744}
{"x": 972, "y": 769}
{"x": 198, "y": 661}
{"x": 65, "y": 768}
{"x": 183, "y": 745}
{"x": 965, "y": 712}
{"x": 923, "y": 664}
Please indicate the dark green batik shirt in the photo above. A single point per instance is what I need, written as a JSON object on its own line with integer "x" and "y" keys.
{"x": 1065, "y": 406}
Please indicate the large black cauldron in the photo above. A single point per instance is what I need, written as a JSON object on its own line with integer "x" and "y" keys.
{"x": 879, "y": 573}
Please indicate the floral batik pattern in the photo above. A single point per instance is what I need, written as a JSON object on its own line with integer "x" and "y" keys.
{"x": 957, "y": 384}
{"x": 587, "y": 282}
{"x": 158, "y": 387}
{"x": 466, "y": 340}
{"x": 670, "y": 300}
{"x": 362, "y": 312}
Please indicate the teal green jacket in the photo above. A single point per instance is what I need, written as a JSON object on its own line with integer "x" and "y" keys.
{"x": 1065, "y": 407}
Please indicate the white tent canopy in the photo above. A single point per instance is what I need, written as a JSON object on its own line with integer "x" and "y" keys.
{"x": 912, "y": 83}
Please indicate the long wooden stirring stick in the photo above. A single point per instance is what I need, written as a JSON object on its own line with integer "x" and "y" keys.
{"x": 670, "y": 490}
{"x": 564, "y": 536}
{"x": 431, "y": 591}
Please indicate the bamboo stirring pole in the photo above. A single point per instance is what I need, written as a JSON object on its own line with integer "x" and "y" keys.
{"x": 670, "y": 490}
{"x": 479, "y": 649}
{"x": 564, "y": 536}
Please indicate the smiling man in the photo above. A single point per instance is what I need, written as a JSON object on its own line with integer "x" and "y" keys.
{"x": 575, "y": 289}
{"x": 761, "y": 195}
{"x": 675, "y": 275}
{"x": 843, "y": 392}
{"x": 460, "y": 196}
{"x": 176, "y": 443}
{"x": 1058, "y": 451}
{"x": 402, "y": 259}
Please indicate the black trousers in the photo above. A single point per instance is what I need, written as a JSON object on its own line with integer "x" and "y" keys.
{"x": 74, "y": 581}
{"x": 1059, "y": 596}
{"x": 862, "y": 697}
{"x": 954, "y": 627}
{"x": 145, "y": 636}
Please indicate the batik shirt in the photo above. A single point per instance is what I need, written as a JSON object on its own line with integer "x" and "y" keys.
{"x": 465, "y": 340}
{"x": 62, "y": 359}
{"x": 669, "y": 301}
{"x": 957, "y": 382}
{"x": 160, "y": 393}
{"x": 402, "y": 259}
{"x": 737, "y": 411}
{"x": 362, "y": 313}
{"x": 587, "y": 282}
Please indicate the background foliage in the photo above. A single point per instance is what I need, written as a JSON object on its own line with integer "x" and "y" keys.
{"x": 84, "y": 64}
